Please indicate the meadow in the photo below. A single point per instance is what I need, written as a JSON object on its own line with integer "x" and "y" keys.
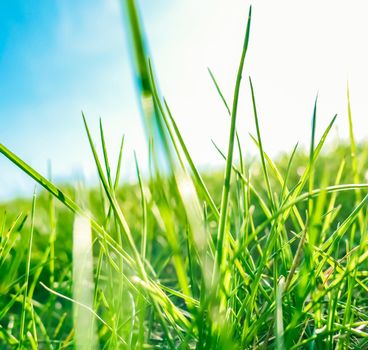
{"x": 260, "y": 254}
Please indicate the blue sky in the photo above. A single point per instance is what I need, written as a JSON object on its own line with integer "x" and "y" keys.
{"x": 56, "y": 59}
{"x": 60, "y": 57}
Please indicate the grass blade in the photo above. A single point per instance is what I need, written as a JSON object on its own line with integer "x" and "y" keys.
{"x": 83, "y": 285}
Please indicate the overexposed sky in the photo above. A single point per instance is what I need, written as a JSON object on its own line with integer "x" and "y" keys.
{"x": 63, "y": 57}
{"x": 297, "y": 49}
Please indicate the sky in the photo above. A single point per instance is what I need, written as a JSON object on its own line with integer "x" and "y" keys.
{"x": 59, "y": 57}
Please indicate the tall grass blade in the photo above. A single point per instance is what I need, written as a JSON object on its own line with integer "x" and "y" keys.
{"x": 221, "y": 247}
{"x": 153, "y": 123}
{"x": 264, "y": 168}
{"x": 280, "y": 344}
{"x": 83, "y": 285}
{"x": 27, "y": 274}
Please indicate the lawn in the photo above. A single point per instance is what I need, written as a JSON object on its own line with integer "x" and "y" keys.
{"x": 259, "y": 254}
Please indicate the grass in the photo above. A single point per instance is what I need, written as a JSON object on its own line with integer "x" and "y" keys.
{"x": 264, "y": 254}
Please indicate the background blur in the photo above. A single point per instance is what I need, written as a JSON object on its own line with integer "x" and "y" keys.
{"x": 62, "y": 56}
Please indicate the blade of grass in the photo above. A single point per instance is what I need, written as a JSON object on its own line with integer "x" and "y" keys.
{"x": 221, "y": 247}
{"x": 280, "y": 344}
{"x": 83, "y": 285}
{"x": 28, "y": 266}
{"x": 264, "y": 168}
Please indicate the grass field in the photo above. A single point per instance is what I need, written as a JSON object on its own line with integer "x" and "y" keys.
{"x": 261, "y": 254}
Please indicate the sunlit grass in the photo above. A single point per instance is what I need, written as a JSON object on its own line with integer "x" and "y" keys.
{"x": 262, "y": 254}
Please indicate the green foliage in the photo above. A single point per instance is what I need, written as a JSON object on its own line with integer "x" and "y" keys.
{"x": 263, "y": 255}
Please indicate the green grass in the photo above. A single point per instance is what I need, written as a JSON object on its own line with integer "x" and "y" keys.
{"x": 261, "y": 254}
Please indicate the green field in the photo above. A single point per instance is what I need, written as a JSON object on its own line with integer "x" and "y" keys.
{"x": 259, "y": 254}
